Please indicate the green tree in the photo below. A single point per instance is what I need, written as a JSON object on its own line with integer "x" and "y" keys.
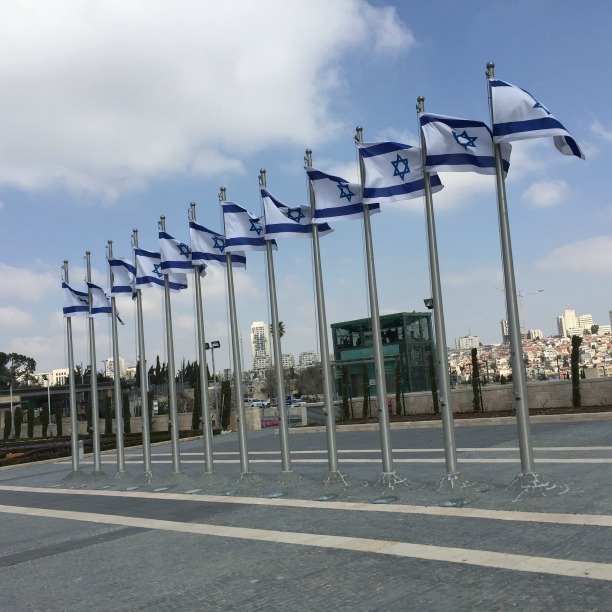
{"x": 127, "y": 425}
{"x": 197, "y": 407}
{"x": 8, "y": 424}
{"x": 150, "y": 405}
{"x": 345, "y": 399}
{"x": 44, "y": 420}
{"x": 433, "y": 383}
{"x": 108, "y": 415}
{"x": 226, "y": 403}
{"x": 18, "y": 421}
{"x": 58, "y": 420}
{"x": 366, "y": 391}
{"x": 30, "y": 412}
{"x": 575, "y": 369}
{"x": 476, "y": 398}
{"x": 17, "y": 369}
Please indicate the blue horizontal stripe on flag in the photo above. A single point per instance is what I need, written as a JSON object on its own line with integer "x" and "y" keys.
{"x": 208, "y": 256}
{"x": 461, "y": 159}
{"x": 70, "y": 309}
{"x": 452, "y": 122}
{"x": 317, "y": 175}
{"x": 530, "y": 125}
{"x": 497, "y": 83}
{"x": 143, "y": 280}
{"x": 118, "y": 263}
{"x": 292, "y": 227}
{"x": 573, "y": 145}
{"x": 244, "y": 241}
{"x": 339, "y": 211}
{"x": 407, "y": 188}
{"x": 381, "y": 148}
{"x": 233, "y": 208}
{"x": 183, "y": 265}
{"x": 176, "y": 286}
{"x": 101, "y": 310}
{"x": 165, "y": 236}
{"x": 121, "y": 289}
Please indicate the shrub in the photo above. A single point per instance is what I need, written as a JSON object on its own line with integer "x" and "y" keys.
{"x": 44, "y": 421}
{"x": 18, "y": 421}
{"x": 8, "y": 424}
{"x": 30, "y": 410}
{"x": 58, "y": 420}
{"x": 108, "y": 415}
{"x": 127, "y": 425}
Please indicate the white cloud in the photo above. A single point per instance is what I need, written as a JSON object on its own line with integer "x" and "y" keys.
{"x": 12, "y": 318}
{"x": 598, "y": 129}
{"x": 127, "y": 92}
{"x": 29, "y": 285}
{"x": 474, "y": 276}
{"x": 545, "y": 194}
{"x": 591, "y": 256}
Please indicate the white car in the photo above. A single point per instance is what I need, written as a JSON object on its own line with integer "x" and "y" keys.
{"x": 297, "y": 403}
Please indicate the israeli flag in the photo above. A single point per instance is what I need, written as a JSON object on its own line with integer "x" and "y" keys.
{"x": 393, "y": 172}
{"x": 76, "y": 303}
{"x": 208, "y": 247}
{"x": 460, "y": 145}
{"x": 123, "y": 275}
{"x": 335, "y": 198}
{"x": 518, "y": 116}
{"x": 99, "y": 300}
{"x": 243, "y": 230}
{"x": 286, "y": 221}
{"x": 175, "y": 256}
{"x": 149, "y": 274}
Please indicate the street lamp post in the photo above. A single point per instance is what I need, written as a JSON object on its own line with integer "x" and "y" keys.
{"x": 215, "y": 344}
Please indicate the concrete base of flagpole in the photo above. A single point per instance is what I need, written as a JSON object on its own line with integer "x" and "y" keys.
{"x": 392, "y": 481}
{"x": 211, "y": 481}
{"x": 123, "y": 477}
{"x": 76, "y": 478}
{"x": 457, "y": 484}
{"x": 336, "y": 479}
{"x": 532, "y": 485}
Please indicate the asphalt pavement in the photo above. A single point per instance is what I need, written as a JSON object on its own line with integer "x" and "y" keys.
{"x": 308, "y": 540}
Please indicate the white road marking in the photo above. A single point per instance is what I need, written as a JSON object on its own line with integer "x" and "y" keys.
{"x": 587, "y": 520}
{"x": 481, "y": 558}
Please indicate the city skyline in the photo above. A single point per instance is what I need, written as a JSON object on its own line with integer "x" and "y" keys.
{"x": 136, "y": 126}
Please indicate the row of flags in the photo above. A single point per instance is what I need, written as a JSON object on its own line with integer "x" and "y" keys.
{"x": 394, "y": 172}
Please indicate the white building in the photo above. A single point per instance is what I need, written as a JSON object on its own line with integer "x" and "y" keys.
{"x": 467, "y": 343}
{"x": 260, "y": 345}
{"x": 505, "y": 330}
{"x": 307, "y": 358}
{"x": 288, "y": 360}
{"x": 568, "y": 324}
{"x": 533, "y": 334}
{"x": 109, "y": 368}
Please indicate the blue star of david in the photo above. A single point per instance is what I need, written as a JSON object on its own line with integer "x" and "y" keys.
{"x": 345, "y": 192}
{"x": 466, "y": 141}
{"x": 184, "y": 250}
{"x": 256, "y": 227}
{"x": 396, "y": 166}
{"x": 156, "y": 268}
{"x": 295, "y": 214}
{"x": 219, "y": 243}
{"x": 538, "y": 105}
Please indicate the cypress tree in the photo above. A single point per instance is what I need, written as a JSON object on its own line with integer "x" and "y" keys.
{"x": 30, "y": 410}
{"x": 108, "y": 415}
{"x": 8, "y": 424}
{"x": 59, "y": 421}
{"x": 127, "y": 426}
{"x": 197, "y": 407}
{"x": 433, "y": 383}
{"x": 18, "y": 421}
{"x": 476, "y": 400}
{"x": 44, "y": 421}
{"x": 575, "y": 368}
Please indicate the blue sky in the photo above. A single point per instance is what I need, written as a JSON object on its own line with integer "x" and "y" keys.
{"x": 113, "y": 114}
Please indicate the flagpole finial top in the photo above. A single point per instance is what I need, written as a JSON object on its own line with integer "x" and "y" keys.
{"x": 359, "y": 134}
{"x": 420, "y": 104}
{"x": 308, "y": 151}
{"x": 490, "y": 69}
{"x": 262, "y": 177}
{"x": 222, "y": 192}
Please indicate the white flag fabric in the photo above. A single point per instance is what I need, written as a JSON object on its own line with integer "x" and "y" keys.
{"x": 460, "y": 145}
{"x": 288, "y": 222}
{"x": 175, "y": 256}
{"x": 76, "y": 303}
{"x": 149, "y": 274}
{"x": 243, "y": 230}
{"x": 123, "y": 277}
{"x": 99, "y": 300}
{"x": 335, "y": 198}
{"x": 517, "y": 115}
{"x": 393, "y": 172}
{"x": 208, "y": 247}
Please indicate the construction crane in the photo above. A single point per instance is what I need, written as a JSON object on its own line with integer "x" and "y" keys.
{"x": 520, "y": 296}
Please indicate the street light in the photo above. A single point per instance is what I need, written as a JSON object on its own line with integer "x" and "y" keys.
{"x": 215, "y": 344}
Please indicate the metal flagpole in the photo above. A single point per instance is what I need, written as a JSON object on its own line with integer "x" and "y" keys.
{"x": 142, "y": 362}
{"x": 204, "y": 401}
{"x": 174, "y": 426}
{"x": 238, "y": 394}
{"x": 93, "y": 375}
{"x": 450, "y": 451}
{"x": 379, "y": 365}
{"x": 74, "y": 426}
{"x": 519, "y": 382}
{"x": 328, "y": 398}
{"x": 278, "y": 357}
{"x": 117, "y": 378}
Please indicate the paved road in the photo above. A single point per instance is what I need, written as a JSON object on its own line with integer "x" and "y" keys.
{"x": 191, "y": 542}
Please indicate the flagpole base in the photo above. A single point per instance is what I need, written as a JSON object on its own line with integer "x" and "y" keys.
{"x": 457, "y": 484}
{"x": 391, "y": 481}
{"x": 530, "y": 485}
{"x": 336, "y": 479}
